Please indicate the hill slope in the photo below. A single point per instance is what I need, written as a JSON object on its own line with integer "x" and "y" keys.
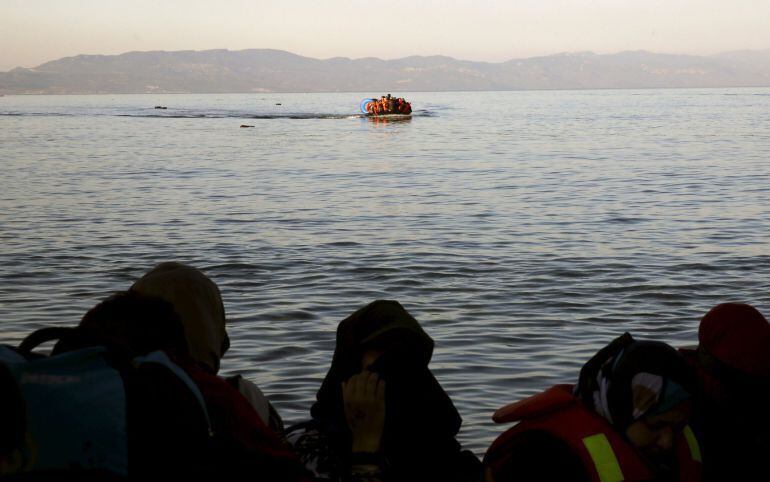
{"x": 263, "y": 70}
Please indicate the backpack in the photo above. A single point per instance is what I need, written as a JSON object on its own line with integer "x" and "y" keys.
{"x": 96, "y": 410}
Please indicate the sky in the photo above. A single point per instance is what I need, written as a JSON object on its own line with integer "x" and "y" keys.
{"x": 35, "y": 31}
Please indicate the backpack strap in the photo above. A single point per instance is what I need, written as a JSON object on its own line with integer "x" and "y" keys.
{"x": 73, "y": 338}
{"x": 38, "y": 337}
{"x": 161, "y": 358}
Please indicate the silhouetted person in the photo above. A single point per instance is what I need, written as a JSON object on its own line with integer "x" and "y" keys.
{"x": 197, "y": 300}
{"x": 240, "y": 442}
{"x": 626, "y": 419}
{"x": 732, "y": 363}
{"x": 380, "y": 414}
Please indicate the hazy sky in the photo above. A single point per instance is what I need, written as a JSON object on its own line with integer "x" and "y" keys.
{"x": 35, "y": 31}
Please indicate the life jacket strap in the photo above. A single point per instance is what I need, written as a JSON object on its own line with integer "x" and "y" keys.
{"x": 605, "y": 461}
{"x": 692, "y": 444}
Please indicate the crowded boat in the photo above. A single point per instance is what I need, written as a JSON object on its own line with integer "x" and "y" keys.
{"x": 133, "y": 391}
{"x": 386, "y": 105}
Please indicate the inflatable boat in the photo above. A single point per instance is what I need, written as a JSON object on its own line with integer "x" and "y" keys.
{"x": 386, "y": 106}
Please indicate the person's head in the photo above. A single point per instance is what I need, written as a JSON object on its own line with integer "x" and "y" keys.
{"x": 136, "y": 322}
{"x": 733, "y": 355}
{"x": 380, "y": 328}
{"x": 199, "y": 304}
{"x": 644, "y": 390}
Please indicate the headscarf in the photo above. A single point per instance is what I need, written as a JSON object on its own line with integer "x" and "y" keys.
{"x": 629, "y": 379}
{"x": 199, "y": 304}
{"x": 420, "y": 419}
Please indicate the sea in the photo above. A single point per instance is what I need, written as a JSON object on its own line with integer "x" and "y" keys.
{"x": 524, "y": 230}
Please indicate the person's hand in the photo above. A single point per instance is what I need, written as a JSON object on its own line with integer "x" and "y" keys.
{"x": 364, "y": 399}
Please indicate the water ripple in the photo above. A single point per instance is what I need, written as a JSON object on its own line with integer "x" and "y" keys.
{"x": 523, "y": 230}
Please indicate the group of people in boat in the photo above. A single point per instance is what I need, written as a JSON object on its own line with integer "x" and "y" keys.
{"x": 640, "y": 410}
{"x": 389, "y": 105}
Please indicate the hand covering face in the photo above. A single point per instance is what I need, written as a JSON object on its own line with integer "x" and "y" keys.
{"x": 420, "y": 419}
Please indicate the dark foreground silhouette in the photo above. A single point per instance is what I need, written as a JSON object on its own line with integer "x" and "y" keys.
{"x": 132, "y": 392}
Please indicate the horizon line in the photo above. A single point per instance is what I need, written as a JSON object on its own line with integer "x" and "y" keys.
{"x": 560, "y": 53}
{"x": 576, "y": 89}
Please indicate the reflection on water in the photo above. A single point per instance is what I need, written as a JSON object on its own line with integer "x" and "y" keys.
{"x": 523, "y": 229}
{"x": 377, "y": 120}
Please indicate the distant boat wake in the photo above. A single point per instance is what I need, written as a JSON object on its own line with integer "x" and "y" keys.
{"x": 169, "y": 114}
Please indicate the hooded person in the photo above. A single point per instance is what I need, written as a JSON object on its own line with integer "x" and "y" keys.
{"x": 626, "y": 419}
{"x": 199, "y": 304}
{"x": 416, "y": 440}
{"x": 197, "y": 300}
{"x": 732, "y": 364}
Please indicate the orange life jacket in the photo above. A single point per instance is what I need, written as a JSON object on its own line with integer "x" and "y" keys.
{"x": 605, "y": 454}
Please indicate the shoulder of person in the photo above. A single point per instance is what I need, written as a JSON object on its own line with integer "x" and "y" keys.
{"x": 257, "y": 399}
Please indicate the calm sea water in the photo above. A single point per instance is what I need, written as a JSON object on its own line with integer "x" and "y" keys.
{"x": 523, "y": 229}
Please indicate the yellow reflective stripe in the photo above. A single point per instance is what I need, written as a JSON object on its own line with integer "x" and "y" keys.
{"x": 692, "y": 443}
{"x": 606, "y": 463}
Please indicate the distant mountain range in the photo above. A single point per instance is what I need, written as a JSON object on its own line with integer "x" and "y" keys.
{"x": 219, "y": 71}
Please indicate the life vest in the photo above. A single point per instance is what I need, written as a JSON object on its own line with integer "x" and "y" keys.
{"x": 605, "y": 454}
